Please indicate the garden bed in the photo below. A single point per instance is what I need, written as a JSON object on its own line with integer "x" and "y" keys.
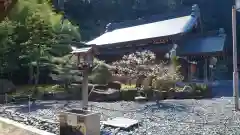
{"x": 126, "y": 93}
{"x": 130, "y": 94}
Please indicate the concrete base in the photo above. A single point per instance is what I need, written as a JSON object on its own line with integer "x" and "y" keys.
{"x": 10, "y": 127}
{"x": 121, "y": 122}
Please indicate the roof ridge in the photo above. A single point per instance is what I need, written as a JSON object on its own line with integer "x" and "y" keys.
{"x": 150, "y": 19}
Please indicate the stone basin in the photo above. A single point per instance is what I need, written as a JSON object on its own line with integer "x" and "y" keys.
{"x": 77, "y": 121}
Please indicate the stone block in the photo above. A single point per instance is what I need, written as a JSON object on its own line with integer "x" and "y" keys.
{"x": 80, "y": 122}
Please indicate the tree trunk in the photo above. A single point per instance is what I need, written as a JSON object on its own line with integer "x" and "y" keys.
{"x": 30, "y": 74}
{"x": 37, "y": 74}
{"x": 139, "y": 81}
{"x": 36, "y": 80}
{"x": 66, "y": 85}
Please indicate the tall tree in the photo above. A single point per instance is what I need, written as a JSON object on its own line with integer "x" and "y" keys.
{"x": 32, "y": 32}
{"x": 8, "y": 49}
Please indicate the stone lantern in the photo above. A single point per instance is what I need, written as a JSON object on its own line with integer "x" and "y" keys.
{"x": 81, "y": 121}
{"x": 84, "y": 64}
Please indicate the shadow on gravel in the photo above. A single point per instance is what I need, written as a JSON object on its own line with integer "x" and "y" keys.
{"x": 166, "y": 106}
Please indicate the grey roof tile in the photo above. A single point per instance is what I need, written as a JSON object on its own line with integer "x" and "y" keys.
{"x": 200, "y": 45}
{"x": 151, "y": 30}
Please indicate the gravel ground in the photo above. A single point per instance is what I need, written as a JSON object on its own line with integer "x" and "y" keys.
{"x": 169, "y": 117}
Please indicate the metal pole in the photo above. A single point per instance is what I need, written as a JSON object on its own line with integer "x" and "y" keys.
{"x": 85, "y": 90}
{"x": 235, "y": 68}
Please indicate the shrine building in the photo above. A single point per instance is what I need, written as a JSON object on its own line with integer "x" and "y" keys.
{"x": 203, "y": 53}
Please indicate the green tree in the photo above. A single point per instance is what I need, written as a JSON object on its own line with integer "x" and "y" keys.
{"x": 41, "y": 38}
{"x": 31, "y": 34}
{"x": 8, "y": 49}
{"x": 65, "y": 71}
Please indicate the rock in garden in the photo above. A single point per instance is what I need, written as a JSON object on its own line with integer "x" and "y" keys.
{"x": 114, "y": 85}
{"x": 187, "y": 88}
{"x": 104, "y": 94}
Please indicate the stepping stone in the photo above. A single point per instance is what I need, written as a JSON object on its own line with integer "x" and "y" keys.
{"x": 120, "y": 122}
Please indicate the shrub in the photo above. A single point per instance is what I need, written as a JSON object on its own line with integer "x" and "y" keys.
{"x": 200, "y": 88}
{"x": 149, "y": 93}
{"x": 125, "y": 86}
{"x": 163, "y": 85}
{"x": 100, "y": 75}
{"x": 128, "y": 94}
{"x": 166, "y": 78}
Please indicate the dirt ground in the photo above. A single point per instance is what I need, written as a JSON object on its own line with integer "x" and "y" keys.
{"x": 6, "y": 129}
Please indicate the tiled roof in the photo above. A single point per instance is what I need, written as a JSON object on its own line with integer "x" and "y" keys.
{"x": 154, "y": 18}
{"x": 151, "y": 30}
{"x": 200, "y": 45}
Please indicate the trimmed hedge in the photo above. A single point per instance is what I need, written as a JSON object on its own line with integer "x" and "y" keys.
{"x": 128, "y": 94}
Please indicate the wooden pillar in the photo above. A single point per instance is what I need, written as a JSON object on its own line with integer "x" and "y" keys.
{"x": 193, "y": 70}
{"x": 184, "y": 68}
{"x": 212, "y": 74}
{"x": 206, "y": 69}
{"x": 189, "y": 71}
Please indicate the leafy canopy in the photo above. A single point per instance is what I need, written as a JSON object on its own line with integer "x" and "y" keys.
{"x": 32, "y": 34}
